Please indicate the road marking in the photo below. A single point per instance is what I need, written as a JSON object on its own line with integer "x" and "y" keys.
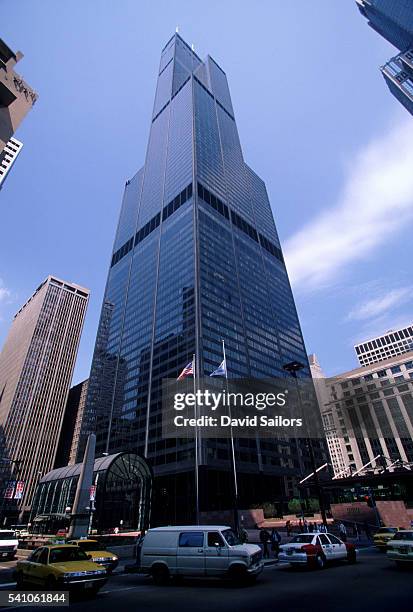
{"x": 138, "y": 586}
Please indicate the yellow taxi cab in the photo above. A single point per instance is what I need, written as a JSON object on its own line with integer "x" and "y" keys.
{"x": 62, "y": 567}
{"x": 97, "y": 552}
{"x": 383, "y": 536}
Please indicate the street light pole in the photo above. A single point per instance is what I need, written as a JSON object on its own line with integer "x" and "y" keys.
{"x": 292, "y": 368}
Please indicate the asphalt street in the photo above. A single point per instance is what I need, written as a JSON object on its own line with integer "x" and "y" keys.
{"x": 373, "y": 584}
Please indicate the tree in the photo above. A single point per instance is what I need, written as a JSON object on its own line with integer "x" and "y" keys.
{"x": 294, "y": 505}
{"x": 313, "y": 504}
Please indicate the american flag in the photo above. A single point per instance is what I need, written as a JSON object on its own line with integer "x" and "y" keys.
{"x": 187, "y": 371}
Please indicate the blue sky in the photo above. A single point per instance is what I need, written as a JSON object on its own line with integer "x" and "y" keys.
{"x": 315, "y": 118}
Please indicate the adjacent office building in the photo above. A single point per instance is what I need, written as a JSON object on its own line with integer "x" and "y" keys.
{"x": 390, "y": 344}
{"x": 7, "y": 158}
{"x": 196, "y": 259}
{"x": 71, "y": 427}
{"x": 393, "y": 19}
{"x": 36, "y": 366}
{"x": 368, "y": 414}
{"x": 16, "y": 96}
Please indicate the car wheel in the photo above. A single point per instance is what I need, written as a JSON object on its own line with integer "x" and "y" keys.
{"x": 320, "y": 561}
{"x": 50, "y": 583}
{"x": 238, "y": 574}
{"x": 160, "y": 575}
{"x": 351, "y": 557}
{"x": 19, "y": 580}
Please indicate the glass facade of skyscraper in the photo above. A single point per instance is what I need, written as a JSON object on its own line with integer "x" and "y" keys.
{"x": 196, "y": 260}
{"x": 393, "y": 19}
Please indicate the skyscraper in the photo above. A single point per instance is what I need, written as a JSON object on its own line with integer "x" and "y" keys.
{"x": 196, "y": 259}
{"x": 36, "y": 367}
{"x": 8, "y": 156}
{"x": 16, "y": 96}
{"x": 71, "y": 426}
{"x": 392, "y": 343}
{"x": 393, "y": 19}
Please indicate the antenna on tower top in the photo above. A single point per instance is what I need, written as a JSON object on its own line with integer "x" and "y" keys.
{"x": 177, "y": 29}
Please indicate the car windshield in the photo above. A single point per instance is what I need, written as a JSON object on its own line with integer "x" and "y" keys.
{"x": 302, "y": 539}
{"x": 387, "y": 530}
{"x": 407, "y": 535}
{"x": 7, "y": 535}
{"x": 69, "y": 553}
{"x": 230, "y": 537}
{"x": 91, "y": 546}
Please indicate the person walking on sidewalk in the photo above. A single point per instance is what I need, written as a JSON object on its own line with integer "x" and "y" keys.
{"x": 275, "y": 541}
{"x": 343, "y": 532}
{"x": 264, "y": 539}
{"x": 288, "y": 527}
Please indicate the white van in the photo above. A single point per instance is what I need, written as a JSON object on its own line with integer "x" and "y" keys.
{"x": 8, "y": 544}
{"x": 198, "y": 550}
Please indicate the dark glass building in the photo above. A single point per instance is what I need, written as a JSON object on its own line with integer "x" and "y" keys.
{"x": 196, "y": 259}
{"x": 393, "y": 19}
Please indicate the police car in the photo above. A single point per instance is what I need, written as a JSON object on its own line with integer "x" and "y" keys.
{"x": 316, "y": 550}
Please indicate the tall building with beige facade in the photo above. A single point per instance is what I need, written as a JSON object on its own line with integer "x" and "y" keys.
{"x": 368, "y": 414}
{"x": 392, "y": 343}
{"x": 36, "y": 367}
{"x": 16, "y": 96}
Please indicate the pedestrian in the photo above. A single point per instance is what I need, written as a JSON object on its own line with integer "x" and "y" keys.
{"x": 264, "y": 539}
{"x": 305, "y": 525}
{"x": 243, "y": 535}
{"x": 310, "y": 527}
{"x": 300, "y": 526}
{"x": 288, "y": 527}
{"x": 343, "y": 532}
{"x": 275, "y": 541}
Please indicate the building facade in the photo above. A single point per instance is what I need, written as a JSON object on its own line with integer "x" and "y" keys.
{"x": 36, "y": 367}
{"x": 390, "y": 344}
{"x": 196, "y": 259}
{"x": 7, "y": 158}
{"x": 72, "y": 421}
{"x": 393, "y": 19}
{"x": 368, "y": 414}
{"x": 16, "y": 96}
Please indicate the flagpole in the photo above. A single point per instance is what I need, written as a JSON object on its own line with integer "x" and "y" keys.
{"x": 233, "y": 462}
{"x": 196, "y": 445}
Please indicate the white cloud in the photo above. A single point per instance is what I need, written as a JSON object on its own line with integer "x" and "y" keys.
{"x": 6, "y": 297}
{"x": 379, "y": 305}
{"x": 5, "y": 294}
{"x": 375, "y": 202}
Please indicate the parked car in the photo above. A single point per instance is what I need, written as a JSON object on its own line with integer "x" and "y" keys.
{"x": 400, "y": 548}
{"x": 61, "y": 533}
{"x": 97, "y": 552}
{"x": 382, "y": 537}
{"x": 21, "y": 531}
{"x": 316, "y": 550}
{"x": 62, "y": 567}
{"x": 198, "y": 550}
{"x": 8, "y": 544}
